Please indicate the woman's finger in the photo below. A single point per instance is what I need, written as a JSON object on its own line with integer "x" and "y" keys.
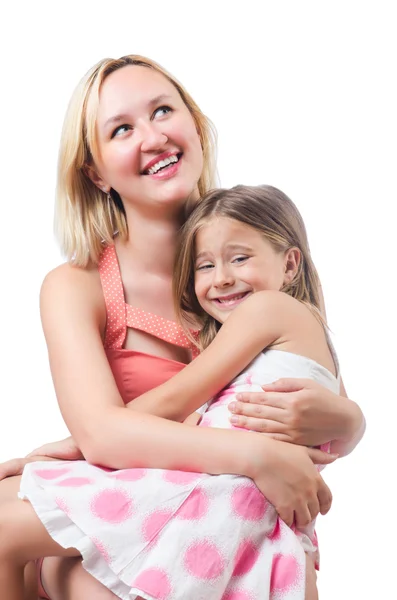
{"x": 302, "y": 515}
{"x": 324, "y": 496}
{"x": 275, "y": 399}
{"x": 259, "y": 425}
{"x": 321, "y": 458}
{"x": 12, "y": 467}
{"x": 288, "y": 384}
{"x": 259, "y": 411}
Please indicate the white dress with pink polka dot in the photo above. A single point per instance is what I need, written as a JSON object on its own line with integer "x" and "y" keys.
{"x": 172, "y": 535}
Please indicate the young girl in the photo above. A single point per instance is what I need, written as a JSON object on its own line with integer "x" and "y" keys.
{"x": 179, "y": 534}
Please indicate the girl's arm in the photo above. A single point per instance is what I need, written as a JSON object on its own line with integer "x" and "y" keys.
{"x": 244, "y": 335}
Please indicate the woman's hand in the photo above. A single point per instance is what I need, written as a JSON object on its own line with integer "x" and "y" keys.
{"x": 288, "y": 478}
{"x": 300, "y": 411}
{"x": 62, "y": 450}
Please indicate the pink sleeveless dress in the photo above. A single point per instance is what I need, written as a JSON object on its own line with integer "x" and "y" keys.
{"x": 172, "y": 535}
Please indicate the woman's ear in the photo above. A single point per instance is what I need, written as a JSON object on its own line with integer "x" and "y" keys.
{"x": 96, "y": 178}
{"x": 292, "y": 261}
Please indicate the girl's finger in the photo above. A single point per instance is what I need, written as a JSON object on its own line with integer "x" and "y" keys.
{"x": 321, "y": 458}
{"x": 302, "y": 515}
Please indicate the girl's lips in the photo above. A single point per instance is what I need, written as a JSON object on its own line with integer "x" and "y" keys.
{"x": 230, "y": 301}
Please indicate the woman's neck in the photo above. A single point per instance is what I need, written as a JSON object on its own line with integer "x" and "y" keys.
{"x": 151, "y": 244}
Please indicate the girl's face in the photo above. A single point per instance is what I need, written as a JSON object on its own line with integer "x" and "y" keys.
{"x": 233, "y": 261}
{"x": 149, "y": 148}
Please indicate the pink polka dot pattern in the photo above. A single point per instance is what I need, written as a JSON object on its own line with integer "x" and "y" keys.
{"x": 246, "y": 557}
{"x": 236, "y": 595}
{"x": 74, "y": 482}
{"x": 102, "y": 549}
{"x": 249, "y": 503}
{"x": 121, "y": 315}
{"x": 130, "y": 474}
{"x": 181, "y": 477}
{"x": 204, "y": 560}
{"x": 61, "y": 503}
{"x": 51, "y": 473}
{"x": 285, "y": 573}
{"x": 112, "y": 506}
{"x": 154, "y": 582}
{"x": 195, "y": 506}
{"x": 154, "y": 522}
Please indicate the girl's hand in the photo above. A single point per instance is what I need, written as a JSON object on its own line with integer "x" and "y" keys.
{"x": 288, "y": 478}
{"x": 300, "y": 411}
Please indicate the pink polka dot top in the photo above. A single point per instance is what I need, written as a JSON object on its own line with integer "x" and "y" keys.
{"x": 135, "y": 372}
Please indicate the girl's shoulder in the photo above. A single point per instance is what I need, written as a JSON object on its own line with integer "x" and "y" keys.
{"x": 277, "y": 304}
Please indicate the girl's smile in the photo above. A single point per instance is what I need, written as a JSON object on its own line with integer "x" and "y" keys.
{"x": 233, "y": 261}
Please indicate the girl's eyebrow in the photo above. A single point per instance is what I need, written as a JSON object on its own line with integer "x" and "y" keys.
{"x": 125, "y": 116}
{"x": 242, "y": 247}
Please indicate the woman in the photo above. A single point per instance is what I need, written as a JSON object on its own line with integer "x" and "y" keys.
{"x": 135, "y": 148}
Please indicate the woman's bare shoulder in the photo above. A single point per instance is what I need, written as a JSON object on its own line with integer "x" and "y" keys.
{"x": 71, "y": 288}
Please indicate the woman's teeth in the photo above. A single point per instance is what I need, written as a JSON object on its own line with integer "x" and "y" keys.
{"x": 162, "y": 163}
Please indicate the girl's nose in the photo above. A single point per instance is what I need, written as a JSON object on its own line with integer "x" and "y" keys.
{"x": 223, "y": 277}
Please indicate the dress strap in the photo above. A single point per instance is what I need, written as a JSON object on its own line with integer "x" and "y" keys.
{"x": 160, "y": 327}
{"x": 113, "y": 292}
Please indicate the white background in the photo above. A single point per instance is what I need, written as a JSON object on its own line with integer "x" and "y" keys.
{"x": 303, "y": 97}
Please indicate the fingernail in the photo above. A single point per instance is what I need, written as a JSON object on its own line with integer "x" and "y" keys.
{"x": 239, "y": 397}
{"x": 234, "y": 419}
{"x": 232, "y": 406}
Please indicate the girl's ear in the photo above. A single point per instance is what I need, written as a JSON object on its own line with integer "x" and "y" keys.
{"x": 96, "y": 178}
{"x": 292, "y": 261}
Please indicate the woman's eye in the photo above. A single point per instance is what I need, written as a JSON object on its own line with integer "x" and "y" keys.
{"x": 240, "y": 259}
{"x": 161, "y": 111}
{"x": 120, "y": 130}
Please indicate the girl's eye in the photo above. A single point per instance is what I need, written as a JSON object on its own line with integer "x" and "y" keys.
{"x": 240, "y": 259}
{"x": 204, "y": 267}
{"x": 120, "y": 130}
{"x": 161, "y": 111}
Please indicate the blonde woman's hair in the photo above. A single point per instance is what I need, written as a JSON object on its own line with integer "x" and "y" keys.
{"x": 267, "y": 210}
{"x": 86, "y": 218}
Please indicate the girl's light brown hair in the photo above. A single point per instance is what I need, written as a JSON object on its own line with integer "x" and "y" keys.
{"x": 267, "y": 210}
{"x": 85, "y": 219}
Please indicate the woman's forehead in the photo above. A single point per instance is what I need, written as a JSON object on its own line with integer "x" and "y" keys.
{"x": 132, "y": 87}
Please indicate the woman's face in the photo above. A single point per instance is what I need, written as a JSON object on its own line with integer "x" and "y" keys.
{"x": 149, "y": 148}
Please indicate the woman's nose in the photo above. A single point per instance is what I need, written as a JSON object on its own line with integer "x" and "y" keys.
{"x": 152, "y": 138}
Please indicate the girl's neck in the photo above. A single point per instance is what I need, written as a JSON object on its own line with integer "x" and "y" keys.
{"x": 151, "y": 243}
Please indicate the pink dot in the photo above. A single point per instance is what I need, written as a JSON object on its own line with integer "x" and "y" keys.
{"x": 203, "y": 560}
{"x": 102, "y": 549}
{"x": 275, "y": 535}
{"x": 194, "y": 507}
{"x": 75, "y": 481}
{"x": 236, "y": 595}
{"x": 112, "y": 506}
{"x": 246, "y": 557}
{"x": 130, "y": 474}
{"x": 60, "y": 502}
{"x": 154, "y": 582}
{"x": 181, "y": 477}
{"x": 285, "y": 573}
{"x": 154, "y": 522}
{"x": 249, "y": 503}
{"x": 51, "y": 473}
